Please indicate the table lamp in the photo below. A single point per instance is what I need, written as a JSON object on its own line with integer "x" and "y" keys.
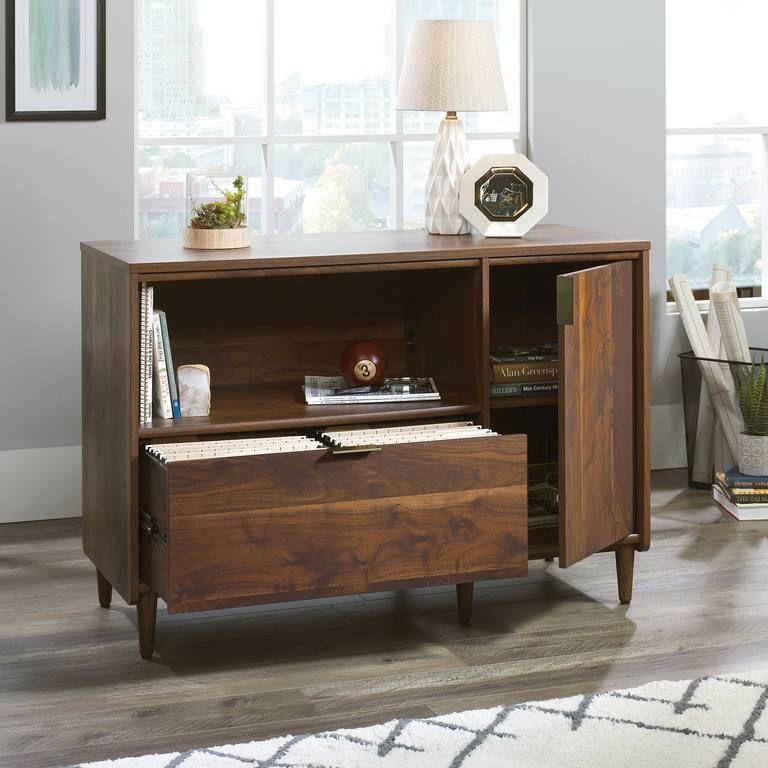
{"x": 450, "y": 66}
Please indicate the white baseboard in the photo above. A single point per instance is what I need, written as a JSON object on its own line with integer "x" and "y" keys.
{"x": 667, "y": 436}
{"x": 41, "y": 483}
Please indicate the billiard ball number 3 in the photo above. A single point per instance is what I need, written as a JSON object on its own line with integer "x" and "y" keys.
{"x": 364, "y": 363}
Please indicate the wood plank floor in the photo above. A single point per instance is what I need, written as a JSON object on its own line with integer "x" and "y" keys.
{"x": 73, "y": 687}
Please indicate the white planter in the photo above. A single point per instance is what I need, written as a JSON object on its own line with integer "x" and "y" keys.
{"x": 753, "y": 454}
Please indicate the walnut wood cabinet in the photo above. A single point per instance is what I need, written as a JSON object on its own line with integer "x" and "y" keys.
{"x": 227, "y": 532}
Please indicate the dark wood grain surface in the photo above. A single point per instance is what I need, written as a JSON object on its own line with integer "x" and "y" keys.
{"x": 270, "y": 251}
{"x": 73, "y": 688}
{"x": 110, "y": 520}
{"x": 596, "y": 412}
{"x": 263, "y": 318}
{"x": 246, "y": 529}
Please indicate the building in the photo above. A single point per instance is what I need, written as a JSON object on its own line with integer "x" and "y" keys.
{"x": 170, "y": 60}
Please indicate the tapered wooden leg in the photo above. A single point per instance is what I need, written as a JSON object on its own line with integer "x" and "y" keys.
{"x": 464, "y": 599}
{"x": 625, "y": 570}
{"x": 146, "y": 611}
{"x": 105, "y": 590}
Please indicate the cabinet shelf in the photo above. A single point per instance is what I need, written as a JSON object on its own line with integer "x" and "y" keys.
{"x": 259, "y": 408}
{"x": 515, "y": 401}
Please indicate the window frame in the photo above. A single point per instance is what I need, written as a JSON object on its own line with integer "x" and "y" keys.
{"x": 760, "y": 302}
{"x": 269, "y": 139}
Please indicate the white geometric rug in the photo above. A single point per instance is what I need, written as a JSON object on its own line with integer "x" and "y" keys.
{"x": 711, "y": 722}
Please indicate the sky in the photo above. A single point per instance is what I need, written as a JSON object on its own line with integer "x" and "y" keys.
{"x": 717, "y": 62}
{"x": 356, "y": 50}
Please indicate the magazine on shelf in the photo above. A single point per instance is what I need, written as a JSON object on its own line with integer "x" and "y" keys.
{"x": 334, "y": 390}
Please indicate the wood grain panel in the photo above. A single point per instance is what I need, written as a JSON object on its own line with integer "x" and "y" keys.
{"x": 261, "y": 408}
{"x": 286, "y": 526}
{"x": 349, "y": 547}
{"x": 110, "y": 523}
{"x": 597, "y": 409}
{"x": 238, "y": 484}
{"x": 391, "y": 247}
{"x": 642, "y": 405}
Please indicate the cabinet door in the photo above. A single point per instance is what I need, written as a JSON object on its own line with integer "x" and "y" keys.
{"x": 596, "y": 427}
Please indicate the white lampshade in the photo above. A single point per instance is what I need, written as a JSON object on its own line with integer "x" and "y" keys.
{"x": 451, "y": 66}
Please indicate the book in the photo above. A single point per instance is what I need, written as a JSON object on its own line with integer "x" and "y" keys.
{"x": 169, "y": 366}
{"x": 507, "y": 353}
{"x": 502, "y": 373}
{"x": 735, "y": 479}
{"x": 742, "y": 495}
{"x": 739, "y": 491}
{"x": 142, "y": 355}
{"x": 145, "y": 353}
{"x": 161, "y": 391}
{"x": 524, "y": 388}
{"x": 334, "y": 390}
{"x": 739, "y": 511}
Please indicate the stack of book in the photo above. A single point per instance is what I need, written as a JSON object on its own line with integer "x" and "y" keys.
{"x": 743, "y": 496}
{"x": 524, "y": 370}
{"x": 334, "y": 390}
{"x": 158, "y": 392}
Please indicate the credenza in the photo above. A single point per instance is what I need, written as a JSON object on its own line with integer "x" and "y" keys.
{"x": 247, "y": 530}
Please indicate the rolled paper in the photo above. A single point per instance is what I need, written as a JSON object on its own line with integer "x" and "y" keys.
{"x": 726, "y": 301}
{"x": 709, "y": 439}
{"x": 716, "y": 383}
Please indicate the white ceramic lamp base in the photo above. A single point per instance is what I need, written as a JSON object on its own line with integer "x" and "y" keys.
{"x": 450, "y": 159}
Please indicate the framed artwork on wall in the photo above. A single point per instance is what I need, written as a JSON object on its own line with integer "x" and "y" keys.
{"x": 55, "y": 60}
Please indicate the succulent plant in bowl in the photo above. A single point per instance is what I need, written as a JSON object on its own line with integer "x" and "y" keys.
{"x": 217, "y": 211}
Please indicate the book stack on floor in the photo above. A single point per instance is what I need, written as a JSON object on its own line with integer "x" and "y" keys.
{"x": 158, "y": 392}
{"x": 743, "y": 496}
{"x": 524, "y": 370}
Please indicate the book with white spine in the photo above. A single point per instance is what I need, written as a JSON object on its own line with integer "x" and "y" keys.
{"x": 142, "y": 357}
{"x": 145, "y": 353}
{"x": 161, "y": 391}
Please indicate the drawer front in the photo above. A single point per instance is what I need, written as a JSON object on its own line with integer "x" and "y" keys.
{"x": 286, "y": 526}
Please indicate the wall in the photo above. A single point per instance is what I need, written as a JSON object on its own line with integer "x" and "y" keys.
{"x": 596, "y": 112}
{"x": 62, "y": 182}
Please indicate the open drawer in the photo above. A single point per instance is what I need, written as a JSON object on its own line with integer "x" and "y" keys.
{"x": 253, "y": 529}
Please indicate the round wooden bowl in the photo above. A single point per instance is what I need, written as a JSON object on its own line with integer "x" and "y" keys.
{"x": 214, "y": 239}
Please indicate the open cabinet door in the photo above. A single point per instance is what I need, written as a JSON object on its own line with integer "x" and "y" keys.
{"x": 596, "y": 434}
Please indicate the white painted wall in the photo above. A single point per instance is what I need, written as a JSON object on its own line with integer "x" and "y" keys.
{"x": 62, "y": 182}
{"x": 597, "y": 122}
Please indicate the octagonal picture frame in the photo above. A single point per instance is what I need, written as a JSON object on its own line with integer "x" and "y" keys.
{"x": 520, "y": 200}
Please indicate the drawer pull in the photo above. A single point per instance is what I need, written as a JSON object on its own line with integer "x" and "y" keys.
{"x": 152, "y": 528}
{"x": 341, "y": 450}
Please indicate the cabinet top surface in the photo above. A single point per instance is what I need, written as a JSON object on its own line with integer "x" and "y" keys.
{"x": 309, "y": 250}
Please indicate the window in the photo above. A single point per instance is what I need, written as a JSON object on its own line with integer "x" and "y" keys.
{"x": 298, "y": 94}
{"x": 717, "y": 135}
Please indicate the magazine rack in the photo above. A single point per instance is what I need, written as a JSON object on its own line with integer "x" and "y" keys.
{"x": 230, "y": 532}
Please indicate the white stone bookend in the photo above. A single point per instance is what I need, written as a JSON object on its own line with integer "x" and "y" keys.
{"x": 194, "y": 383}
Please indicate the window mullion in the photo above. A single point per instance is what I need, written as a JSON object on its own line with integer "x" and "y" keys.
{"x": 268, "y": 178}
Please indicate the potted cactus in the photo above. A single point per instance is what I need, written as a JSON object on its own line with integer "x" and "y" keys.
{"x": 753, "y": 402}
{"x": 217, "y": 211}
